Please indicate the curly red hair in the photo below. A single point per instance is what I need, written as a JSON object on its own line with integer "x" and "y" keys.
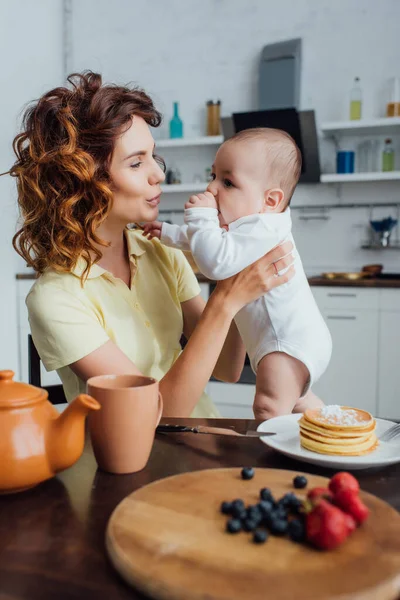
{"x": 63, "y": 155}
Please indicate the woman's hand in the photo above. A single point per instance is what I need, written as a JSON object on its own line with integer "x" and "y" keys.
{"x": 258, "y": 278}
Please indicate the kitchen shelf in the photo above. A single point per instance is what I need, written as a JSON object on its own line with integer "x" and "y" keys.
{"x": 208, "y": 140}
{"x": 394, "y": 246}
{"x": 177, "y": 188}
{"x": 382, "y": 126}
{"x": 354, "y": 177}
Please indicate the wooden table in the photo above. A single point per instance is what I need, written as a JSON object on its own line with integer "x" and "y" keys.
{"x": 52, "y": 537}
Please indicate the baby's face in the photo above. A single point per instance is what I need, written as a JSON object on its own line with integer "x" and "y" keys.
{"x": 239, "y": 180}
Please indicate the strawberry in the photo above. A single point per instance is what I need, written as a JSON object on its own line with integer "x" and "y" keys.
{"x": 318, "y": 493}
{"x": 326, "y": 526}
{"x": 343, "y": 481}
{"x": 350, "y": 523}
{"x": 352, "y": 504}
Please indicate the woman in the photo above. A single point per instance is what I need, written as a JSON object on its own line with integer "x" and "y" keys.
{"x": 108, "y": 300}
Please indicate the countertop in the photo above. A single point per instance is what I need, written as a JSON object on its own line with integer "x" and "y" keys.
{"x": 52, "y": 536}
{"x": 373, "y": 282}
{"x": 370, "y": 282}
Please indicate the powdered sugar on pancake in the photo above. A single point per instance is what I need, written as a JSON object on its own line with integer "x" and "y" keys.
{"x": 333, "y": 414}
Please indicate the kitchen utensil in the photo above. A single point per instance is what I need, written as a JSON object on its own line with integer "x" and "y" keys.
{"x": 382, "y": 230}
{"x": 391, "y": 434}
{"x": 122, "y": 433}
{"x": 36, "y": 442}
{"x": 168, "y": 539}
{"x": 287, "y": 441}
{"x": 349, "y": 276}
{"x": 372, "y": 269}
{"x": 209, "y": 430}
{"x": 345, "y": 161}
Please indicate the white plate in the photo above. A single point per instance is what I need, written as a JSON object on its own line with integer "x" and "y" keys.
{"x": 287, "y": 441}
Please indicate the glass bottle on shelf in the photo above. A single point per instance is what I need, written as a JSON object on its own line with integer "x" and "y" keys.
{"x": 393, "y": 105}
{"x": 388, "y": 156}
{"x": 175, "y": 124}
{"x": 355, "y": 100}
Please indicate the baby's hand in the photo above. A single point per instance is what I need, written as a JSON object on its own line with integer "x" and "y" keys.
{"x": 205, "y": 200}
{"x": 152, "y": 230}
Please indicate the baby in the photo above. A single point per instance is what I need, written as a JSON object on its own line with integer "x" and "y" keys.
{"x": 243, "y": 214}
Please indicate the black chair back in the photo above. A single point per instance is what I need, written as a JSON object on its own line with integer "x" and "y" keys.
{"x": 55, "y": 392}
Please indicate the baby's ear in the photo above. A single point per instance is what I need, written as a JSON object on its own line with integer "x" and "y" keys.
{"x": 273, "y": 199}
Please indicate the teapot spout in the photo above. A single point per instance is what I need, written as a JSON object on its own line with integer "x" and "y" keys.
{"x": 66, "y": 436}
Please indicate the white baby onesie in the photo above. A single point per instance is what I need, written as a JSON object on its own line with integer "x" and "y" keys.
{"x": 286, "y": 319}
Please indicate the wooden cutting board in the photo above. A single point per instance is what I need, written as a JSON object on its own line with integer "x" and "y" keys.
{"x": 168, "y": 540}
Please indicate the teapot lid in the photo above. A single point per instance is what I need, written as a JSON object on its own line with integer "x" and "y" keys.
{"x": 14, "y": 393}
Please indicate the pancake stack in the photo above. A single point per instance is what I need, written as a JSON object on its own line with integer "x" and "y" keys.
{"x": 338, "y": 430}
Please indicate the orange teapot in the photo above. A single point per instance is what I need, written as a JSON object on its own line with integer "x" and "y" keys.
{"x": 35, "y": 440}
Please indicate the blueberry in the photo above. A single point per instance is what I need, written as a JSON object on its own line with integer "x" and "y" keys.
{"x": 283, "y": 502}
{"x": 247, "y": 473}
{"x": 238, "y": 504}
{"x": 255, "y": 517}
{"x": 239, "y": 514}
{"x": 296, "y": 506}
{"x": 233, "y": 526}
{"x": 281, "y": 513}
{"x": 288, "y": 499}
{"x": 253, "y": 511}
{"x": 249, "y": 525}
{"x": 266, "y": 494}
{"x": 300, "y": 482}
{"x": 297, "y": 530}
{"x": 238, "y": 509}
{"x": 265, "y": 507}
{"x": 226, "y": 508}
{"x": 270, "y": 518}
{"x": 260, "y": 536}
{"x": 278, "y": 527}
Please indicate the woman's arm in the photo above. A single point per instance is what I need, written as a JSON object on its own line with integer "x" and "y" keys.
{"x": 184, "y": 383}
{"x": 231, "y": 360}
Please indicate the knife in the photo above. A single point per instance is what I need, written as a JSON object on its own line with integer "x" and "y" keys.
{"x": 210, "y": 430}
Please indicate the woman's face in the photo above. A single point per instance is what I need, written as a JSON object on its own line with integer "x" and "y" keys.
{"x": 135, "y": 175}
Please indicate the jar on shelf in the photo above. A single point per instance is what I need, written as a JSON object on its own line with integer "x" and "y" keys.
{"x": 213, "y": 117}
{"x": 393, "y": 105}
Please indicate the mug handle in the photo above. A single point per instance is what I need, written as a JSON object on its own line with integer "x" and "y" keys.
{"x": 160, "y": 408}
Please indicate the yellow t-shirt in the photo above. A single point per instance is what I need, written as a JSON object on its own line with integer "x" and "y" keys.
{"x": 69, "y": 321}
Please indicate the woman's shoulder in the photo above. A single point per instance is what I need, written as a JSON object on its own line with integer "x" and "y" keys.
{"x": 52, "y": 284}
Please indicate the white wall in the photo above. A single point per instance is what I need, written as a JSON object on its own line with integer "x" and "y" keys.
{"x": 31, "y": 51}
{"x": 192, "y": 51}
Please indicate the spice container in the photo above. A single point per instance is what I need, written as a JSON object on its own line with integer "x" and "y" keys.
{"x": 393, "y": 106}
{"x": 213, "y": 117}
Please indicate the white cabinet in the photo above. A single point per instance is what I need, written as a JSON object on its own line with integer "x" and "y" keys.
{"x": 389, "y": 356}
{"x": 365, "y": 366}
{"x": 351, "y": 377}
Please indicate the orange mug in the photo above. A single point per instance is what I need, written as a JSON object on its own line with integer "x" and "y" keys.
{"x": 122, "y": 432}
